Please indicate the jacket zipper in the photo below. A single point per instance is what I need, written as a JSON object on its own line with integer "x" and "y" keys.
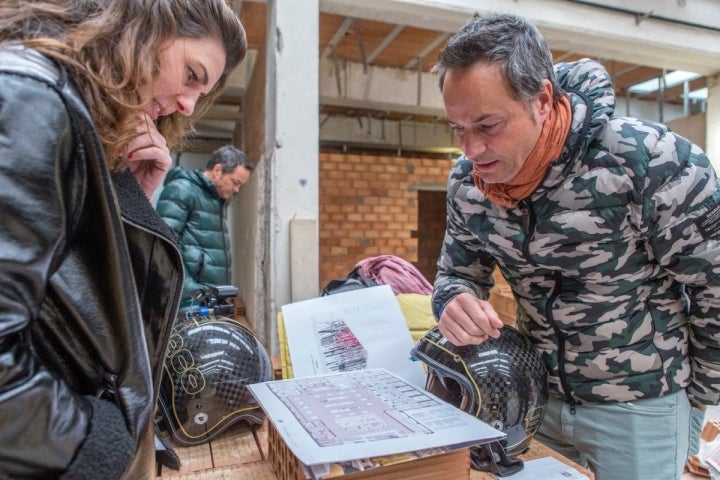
{"x": 561, "y": 341}
{"x": 108, "y": 389}
{"x": 528, "y": 217}
{"x": 201, "y": 266}
{"x": 226, "y": 248}
{"x": 529, "y": 226}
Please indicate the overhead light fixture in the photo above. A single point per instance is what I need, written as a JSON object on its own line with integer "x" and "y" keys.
{"x": 676, "y": 77}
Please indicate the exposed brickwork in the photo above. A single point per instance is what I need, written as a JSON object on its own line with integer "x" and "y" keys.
{"x": 375, "y": 205}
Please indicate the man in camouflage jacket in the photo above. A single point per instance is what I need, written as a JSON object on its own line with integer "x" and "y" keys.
{"x": 612, "y": 258}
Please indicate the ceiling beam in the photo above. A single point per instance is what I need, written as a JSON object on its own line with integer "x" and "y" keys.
{"x": 700, "y": 13}
{"x": 216, "y": 112}
{"x": 365, "y": 104}
{"x": 429, "y": 48}
{"x": 339, "y": 34}
{"x": 612, "y": 34}
{"x": 386, "y": 41}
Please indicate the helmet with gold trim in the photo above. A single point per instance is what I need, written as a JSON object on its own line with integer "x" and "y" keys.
{"x": 210, "y": 361}
{"x": 501, "y": 381}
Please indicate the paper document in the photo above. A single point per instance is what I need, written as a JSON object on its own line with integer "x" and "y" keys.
{"x": 547, "y": 468}
{"x": 354, "y": 330}
{"x": 364, "y": 413}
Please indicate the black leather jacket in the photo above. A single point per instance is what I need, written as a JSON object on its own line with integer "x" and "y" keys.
{"x": 90, "y": 279}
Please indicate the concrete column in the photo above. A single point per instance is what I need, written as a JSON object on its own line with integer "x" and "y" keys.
{"x": 290, "y": 171}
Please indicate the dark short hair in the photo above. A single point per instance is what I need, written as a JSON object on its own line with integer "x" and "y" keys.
{"x": 507, "y": 40}
{"x": 230, "y": 158}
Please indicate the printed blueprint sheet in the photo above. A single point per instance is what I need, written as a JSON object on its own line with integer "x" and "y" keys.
{"x": 364, "y": 413}
{"x": 354, "y": 330}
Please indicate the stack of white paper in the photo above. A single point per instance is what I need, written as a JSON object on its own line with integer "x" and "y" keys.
{"x": 364, "y": 413}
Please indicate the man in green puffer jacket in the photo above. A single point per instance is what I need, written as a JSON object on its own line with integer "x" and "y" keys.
{"x": 606, "y": 228}
{"x": 194, "y": 204}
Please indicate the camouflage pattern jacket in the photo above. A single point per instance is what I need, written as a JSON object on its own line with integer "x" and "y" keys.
{"x": 614, "y": 260}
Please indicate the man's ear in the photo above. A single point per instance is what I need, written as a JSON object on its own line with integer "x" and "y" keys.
{"x": 546, "y": 98}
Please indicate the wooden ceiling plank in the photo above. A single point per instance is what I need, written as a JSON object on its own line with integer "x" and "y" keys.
{"x": 440, "y": 39}
{"x": 406, "y": 47}
{"x": 566, "y": 56}
{"x": 352, "y": 105}
{"x": 656, "y": 43}
{"x": 625, "y": 71}
{"x": 339, "y": 35}
{"x": 385, "y": 43}
{"x": 361, "y": 46}
{"x": 393, "y": 30}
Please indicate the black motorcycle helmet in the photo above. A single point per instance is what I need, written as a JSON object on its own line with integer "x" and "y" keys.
{"x": 211, "y": 360}
{"x": 502, "y": 381}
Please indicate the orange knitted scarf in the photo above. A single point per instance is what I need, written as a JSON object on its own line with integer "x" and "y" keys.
{"x": 548, "y": 148}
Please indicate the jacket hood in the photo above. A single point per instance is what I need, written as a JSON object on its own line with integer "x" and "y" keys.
{"x": 592, "y": 99}
{"x": 588, "y": 77}
{"x": 592, "y": 96}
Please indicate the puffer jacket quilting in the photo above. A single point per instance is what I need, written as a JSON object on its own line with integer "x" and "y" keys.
{"x": 190, "y": 204}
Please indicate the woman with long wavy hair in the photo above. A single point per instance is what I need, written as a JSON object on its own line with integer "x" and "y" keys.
{"x": 94, "y": 94}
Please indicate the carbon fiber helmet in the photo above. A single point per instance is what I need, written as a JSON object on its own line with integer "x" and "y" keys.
{"x": 211, "y": 360}
{"x": 502, "y": 381}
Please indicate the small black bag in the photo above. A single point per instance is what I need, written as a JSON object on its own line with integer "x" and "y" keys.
{"x": 352, "y": 281}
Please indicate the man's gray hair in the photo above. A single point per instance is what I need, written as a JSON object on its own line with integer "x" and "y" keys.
{"x": 508, "y": 40}
{"x": 230, "y": 158}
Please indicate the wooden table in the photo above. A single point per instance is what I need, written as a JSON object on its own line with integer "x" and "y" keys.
{"x": 241, "y": 452}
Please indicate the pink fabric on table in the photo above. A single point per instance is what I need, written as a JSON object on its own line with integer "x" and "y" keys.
{"x": 401, "y": 275}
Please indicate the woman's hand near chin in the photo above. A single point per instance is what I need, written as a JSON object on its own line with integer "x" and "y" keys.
{"x": 148, "y": 157}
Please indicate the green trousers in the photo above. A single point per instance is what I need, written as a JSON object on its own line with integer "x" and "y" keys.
{"x": 642, "y": 440}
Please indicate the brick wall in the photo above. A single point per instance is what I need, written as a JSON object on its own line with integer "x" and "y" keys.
{"x": 369, "y": 206}
{"x": 373, "y": 205}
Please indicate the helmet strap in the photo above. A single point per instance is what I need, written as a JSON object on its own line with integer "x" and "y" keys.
{"x": 491, "y": 457}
